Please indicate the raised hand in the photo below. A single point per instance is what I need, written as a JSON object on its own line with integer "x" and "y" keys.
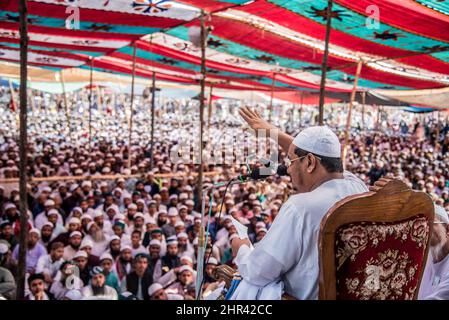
{"x": 254, "y": 120}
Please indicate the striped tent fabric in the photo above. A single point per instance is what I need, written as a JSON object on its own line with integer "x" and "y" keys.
{"x": 252, "y": 45}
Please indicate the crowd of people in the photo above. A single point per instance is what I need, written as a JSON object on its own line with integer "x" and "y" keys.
{"x": 136, "y": 237}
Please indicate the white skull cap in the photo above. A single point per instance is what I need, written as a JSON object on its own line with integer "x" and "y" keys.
{"x": 319, "y": 140}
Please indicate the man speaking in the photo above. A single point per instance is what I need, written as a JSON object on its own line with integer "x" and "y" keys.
{"x": 289, "y": 251}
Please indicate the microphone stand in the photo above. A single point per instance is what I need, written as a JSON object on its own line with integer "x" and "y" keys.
{"x": 202, "y": 239}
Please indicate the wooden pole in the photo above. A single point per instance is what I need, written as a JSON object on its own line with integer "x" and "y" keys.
{"x": 66, "y": 105}
{"x": 351, "y": 102}
{"x": 363, "y": 108}
{"x": 23, "y": 11}
{"x": 153, "y": 101}
{"x": 90, "y": 103}
{"x": 437, "y": 142}
{"x": 202, "y": 84}
{"x": 11, "y": 90}
{"x": 131, "y": 107}
{"x": 270, "y": 110}
{"x": 324, "y": 65}
{"x": 300, "y": 109}
{"x": 209, "y": 111}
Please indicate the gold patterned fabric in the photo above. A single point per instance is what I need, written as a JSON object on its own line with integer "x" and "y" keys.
{"x": 380, "y": 261}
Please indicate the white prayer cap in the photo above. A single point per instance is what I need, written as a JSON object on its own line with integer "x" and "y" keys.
{"x": 10, "y": 206}
{"x": 73, "y": 187}
{"x": 172, "y": 212}
{"x": 155, "y": 242}
{"x": 73, "y": 295}
{"x": 262, "y": 229}
{"x": 3, "y": 248}
{"x": 182, "y": 207}
{"x": 260, "y": 224}
{"x": 77, "y": 209}
{"x": 190, "y": 202}
{"x": 185, "y": 268}
{"x": 80, "y": 254}
{"x": 139, "y": 215}
{"x": 182, "y": 235}
{"x": 213, "y": 261}
{"x": 126, "y": 247}
{"x": 36, "y": 231}
{"x": 52, "y": 211}
{"x": 114, "y": 237}
{"x": 319, "y": 140}
{"x": 173, "y": 196}
{"x": 89, "y": 225}
{"x": 179, "y": 224}
{"x": 86, "y": 184}
{"x": 187, "y": 257}
{"x": 132, "y": 206}
{"x": 49, "y": 203}
{"x": 155, "y": 287}
{"x": 106, "y": 256}
{"x": 48, "y": 223}
{"x": 98, "y": 213}
{"x": 442, "y": 214}
{"x": 86, "y": 216}
{"x": 86, "y": 243}
{"x": 75, "y": 233}
{"x": 150, "y": 220}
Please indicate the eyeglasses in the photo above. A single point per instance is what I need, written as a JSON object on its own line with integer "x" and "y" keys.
{"x": 289, "y": 162}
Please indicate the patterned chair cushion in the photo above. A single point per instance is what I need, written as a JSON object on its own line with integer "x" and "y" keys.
{"x": 380, "y": 261}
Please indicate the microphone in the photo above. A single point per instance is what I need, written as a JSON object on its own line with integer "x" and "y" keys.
{"x": 256, "y": 174}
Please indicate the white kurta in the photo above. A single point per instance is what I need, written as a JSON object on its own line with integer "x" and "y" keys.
{"x": 435, "y": 280}
{"x": 288, "y": 255}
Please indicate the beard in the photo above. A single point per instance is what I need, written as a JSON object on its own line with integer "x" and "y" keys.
{"x": 161, "y": 223}
{"x": 76, "y": 247}
{"x": 98, "y": 290}
{"x": 46, "y": 238}
{"x": 182, "y": 247}
{"x": 98, "y": 236}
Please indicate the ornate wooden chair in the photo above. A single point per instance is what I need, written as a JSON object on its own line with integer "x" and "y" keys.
{"x": 374, "y": 246}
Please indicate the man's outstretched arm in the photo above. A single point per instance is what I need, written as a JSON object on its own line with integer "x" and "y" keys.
{"x": 256, "y": 123}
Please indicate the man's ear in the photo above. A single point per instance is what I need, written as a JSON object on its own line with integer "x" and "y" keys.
{"x": 311, "y": 163}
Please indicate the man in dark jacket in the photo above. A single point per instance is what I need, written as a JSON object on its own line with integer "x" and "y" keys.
{"x": 139, "y": 280}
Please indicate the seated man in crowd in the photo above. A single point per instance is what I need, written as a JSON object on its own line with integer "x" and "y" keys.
{"x": 139, "y": 280}
{"x": 435, "y": 280}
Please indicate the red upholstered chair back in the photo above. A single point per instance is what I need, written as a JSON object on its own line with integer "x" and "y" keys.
{"x": 374, "y": 246}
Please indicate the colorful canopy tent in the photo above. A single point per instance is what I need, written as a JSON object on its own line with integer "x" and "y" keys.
{"x": 437, "y": 98}
{"x": 259, "y": 45}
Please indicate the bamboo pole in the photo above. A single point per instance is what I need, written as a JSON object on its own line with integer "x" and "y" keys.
{"x": 270, "y": 110}
{"x": 363, "y": 108}
{"x": 300, "y": 109}
{"x": 13, "y": 99}
{"x": 209, "y": 111}
{"x": 351, "y": 102}
{"x": 66, "y": 105}
{"x": 202, "y": 84}
{"x": 153, "y": 101}
{"x": 131, "y": 106}
{"x": 90, "y": 103}
{"x": 103, "y": 177}
{"x": 324, "y": 65}
{"x": 23, "y": 11}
